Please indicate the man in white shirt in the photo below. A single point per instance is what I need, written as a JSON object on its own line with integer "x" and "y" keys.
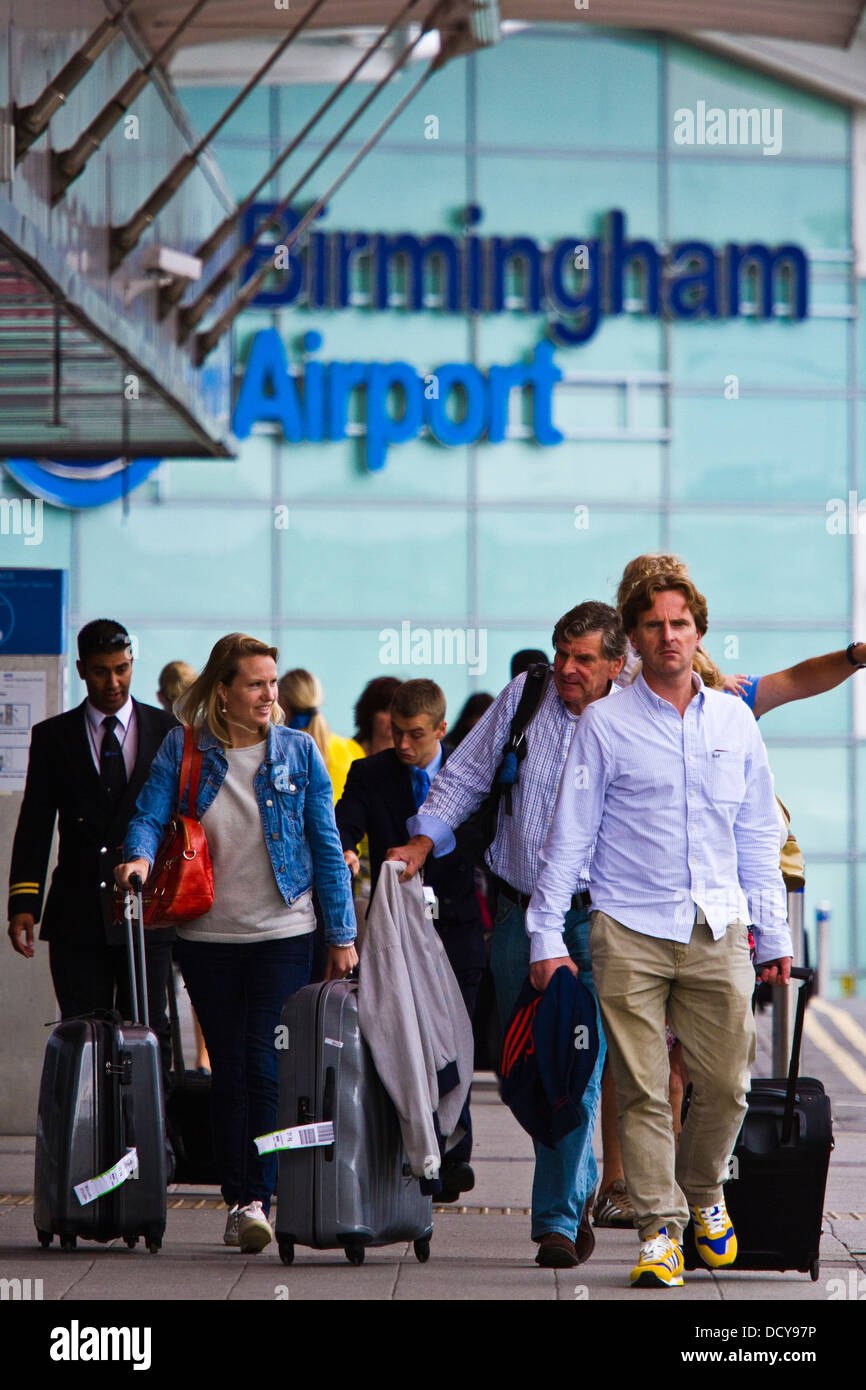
{"x": 589, "y": 646}
{"x": 671, "y": 786}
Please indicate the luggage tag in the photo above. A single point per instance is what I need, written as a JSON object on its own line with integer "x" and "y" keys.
{"x": 431, "y": 903}
{"x": 298, "y": 1137}
{"x": 108, "y": 1181}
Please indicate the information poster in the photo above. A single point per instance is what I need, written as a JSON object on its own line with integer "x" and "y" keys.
{"x": 22, "y": 704}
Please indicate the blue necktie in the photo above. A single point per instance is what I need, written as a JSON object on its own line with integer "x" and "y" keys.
{"x": 422, "y": 786}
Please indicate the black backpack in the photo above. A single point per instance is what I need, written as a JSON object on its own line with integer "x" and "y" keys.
{"x": 476, "y": 834}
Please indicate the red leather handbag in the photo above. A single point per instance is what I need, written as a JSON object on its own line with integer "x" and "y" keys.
{"x": 179, "y": 886}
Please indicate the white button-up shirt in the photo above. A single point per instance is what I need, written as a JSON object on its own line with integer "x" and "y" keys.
{"x": 126, "y": 733}
{"x": 467, "y": 776}
{"x": 682, "y": 814}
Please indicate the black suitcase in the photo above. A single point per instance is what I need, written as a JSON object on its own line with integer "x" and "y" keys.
{"x": 188, "y": 1110}
{"x": 775, "y": 1194}
{"x": 357, "y": 1191}
{"x": 101, "y": 1097}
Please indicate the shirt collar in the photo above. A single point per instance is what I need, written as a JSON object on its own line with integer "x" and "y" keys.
{"x": 655, "y": 701}
{"x": 95, "y": 716}
{"x": 434, "y": 764}
{"x": 613, "y": 690}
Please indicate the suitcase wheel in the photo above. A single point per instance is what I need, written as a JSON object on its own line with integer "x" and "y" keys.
{"x": 68, "y": 1242}
{"x": 355, "y": 1253}
{"x": 287, "y": 1251}
{"x": 154, "y": 1245}
{"x": 45, "y": 1238}
{"x": 814, "y": 1269}
{"x": 130, "y": 1242}
{"x": 422, "y": 1250}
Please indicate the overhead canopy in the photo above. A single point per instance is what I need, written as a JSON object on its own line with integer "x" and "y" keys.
{"x": 830, "y": 22}
{"x": 66, "y": 391}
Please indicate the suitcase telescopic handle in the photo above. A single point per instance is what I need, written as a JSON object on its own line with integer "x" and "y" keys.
{"x": 804, "y": 993}
{"x": 135, "y": 951}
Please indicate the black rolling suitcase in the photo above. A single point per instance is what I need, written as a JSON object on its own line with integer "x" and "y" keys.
{"x": 187, "y": 1109}
{"x": 775, "y": 1195}
{"x": 100, "y": 1099}
{"x": 357, "y": 1191}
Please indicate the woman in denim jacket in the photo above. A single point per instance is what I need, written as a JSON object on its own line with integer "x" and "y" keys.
{"x": 265, "y": 803}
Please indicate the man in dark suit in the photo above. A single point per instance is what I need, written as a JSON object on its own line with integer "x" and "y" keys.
{"x": 87, "y": 767}
{"x": 380, "y": 795}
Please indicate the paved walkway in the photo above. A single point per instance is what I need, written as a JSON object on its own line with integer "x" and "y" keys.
{"x": 480, "y": 1251}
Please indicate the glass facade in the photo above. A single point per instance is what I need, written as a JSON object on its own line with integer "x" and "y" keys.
{"x": 721, "y": 439}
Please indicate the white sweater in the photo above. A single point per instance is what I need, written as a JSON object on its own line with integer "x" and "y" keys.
{"x": 248, "y": 905}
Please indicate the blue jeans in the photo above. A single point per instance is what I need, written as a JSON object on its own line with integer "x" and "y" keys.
{"x": 565, "y": 1177}
{"x": 238, "y": 991}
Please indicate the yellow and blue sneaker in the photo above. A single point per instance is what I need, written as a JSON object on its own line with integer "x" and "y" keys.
{"x": 715, "y": 1240}
{"x": 660, "y": 1265}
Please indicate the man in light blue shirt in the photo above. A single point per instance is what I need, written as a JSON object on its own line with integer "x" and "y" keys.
{"x": 671, "y": 786}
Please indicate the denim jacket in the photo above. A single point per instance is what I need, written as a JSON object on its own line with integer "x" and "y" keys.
{"x": 296, "y": 806}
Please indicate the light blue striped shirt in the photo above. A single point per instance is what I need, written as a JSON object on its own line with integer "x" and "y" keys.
{"x": 682, "y": 814}
{"x": 467, "y": 775}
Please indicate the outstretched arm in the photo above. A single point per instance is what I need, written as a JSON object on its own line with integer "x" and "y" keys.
{"x": 812, "y": 677}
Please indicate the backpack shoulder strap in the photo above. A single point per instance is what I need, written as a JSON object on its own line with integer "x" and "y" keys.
{"x": 530, "y": 698}
{"x": 515, "y": 749}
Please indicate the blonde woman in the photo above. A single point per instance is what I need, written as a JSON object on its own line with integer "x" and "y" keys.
{"x": 302, "y": 697}
{"x": 264, "y": 801}
{"x": 174, "y": 679}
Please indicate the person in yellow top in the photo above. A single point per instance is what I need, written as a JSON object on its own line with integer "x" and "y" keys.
{"x": 301, "y": 697}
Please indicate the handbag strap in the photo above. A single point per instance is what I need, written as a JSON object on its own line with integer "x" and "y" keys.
{"x": 190, "y": 771}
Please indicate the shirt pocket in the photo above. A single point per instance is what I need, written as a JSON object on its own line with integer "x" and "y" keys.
{"x": 290, "y": 789}
{"x": 727, "y": 779}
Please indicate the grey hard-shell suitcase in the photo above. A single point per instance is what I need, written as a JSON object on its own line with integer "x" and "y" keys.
{"x": 357, "y": 1191}
{"x": 101, "y": 1096}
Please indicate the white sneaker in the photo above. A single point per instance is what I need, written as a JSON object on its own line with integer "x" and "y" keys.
{"x": 230, "y": 1235}
{"x": 254, "y": 1229}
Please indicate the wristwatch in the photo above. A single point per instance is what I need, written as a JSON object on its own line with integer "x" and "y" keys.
{"x": 849, "y": 652}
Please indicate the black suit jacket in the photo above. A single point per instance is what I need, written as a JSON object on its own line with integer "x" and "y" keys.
{"x": 377, "y": 801}
{"x": 62, "y": 780}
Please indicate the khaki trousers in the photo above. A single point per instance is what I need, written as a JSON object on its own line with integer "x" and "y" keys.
{"x": 704, "y": 987}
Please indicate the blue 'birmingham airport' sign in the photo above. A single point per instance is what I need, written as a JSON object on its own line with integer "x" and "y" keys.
{"x": 573, "y": 283}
